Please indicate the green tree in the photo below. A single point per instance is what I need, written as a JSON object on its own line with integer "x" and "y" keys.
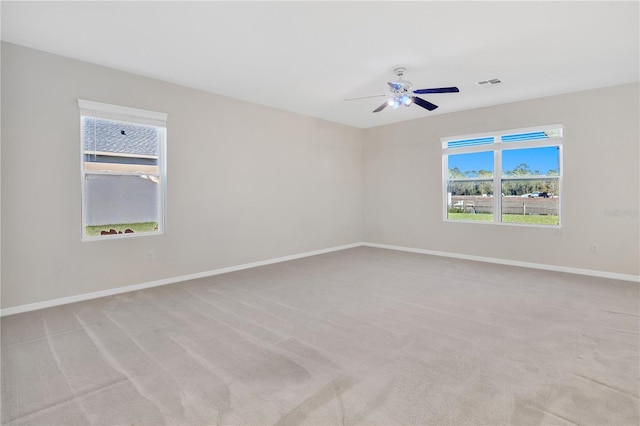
{"x": 521, "y": 169}
{"x": 456, "y": 173}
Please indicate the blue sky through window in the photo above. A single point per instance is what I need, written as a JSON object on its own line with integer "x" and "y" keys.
{"x": 473, "y": 161}
{"x": 540, "y": 159}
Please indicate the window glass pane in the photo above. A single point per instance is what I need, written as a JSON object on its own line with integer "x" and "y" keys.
{"x": 531, "y": 162}
{"x": 122, "y": 177}
{"x": 470, "y": 186}
{"x": 112, "y": 146}
{"x": 121, "y": 203}
{"x": 473, "y": 165}
{"x": 530, "y": 185}
{"x": 531, "y": 201}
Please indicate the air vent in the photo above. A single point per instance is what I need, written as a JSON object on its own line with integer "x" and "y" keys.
{"x": 491, "y": 82}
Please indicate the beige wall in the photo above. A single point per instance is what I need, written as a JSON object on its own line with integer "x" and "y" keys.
{"x": 245, "y": 182}
{"x": 403, "y": 189}
{"x": 249, "y": 183}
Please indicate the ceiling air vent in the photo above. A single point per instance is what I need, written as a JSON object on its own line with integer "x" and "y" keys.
{"x": 488, "y": 83}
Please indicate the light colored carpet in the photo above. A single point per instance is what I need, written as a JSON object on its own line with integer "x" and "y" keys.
{"x": 362, "y": 336}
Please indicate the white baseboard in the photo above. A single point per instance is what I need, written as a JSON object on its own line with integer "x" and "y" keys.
{"x": 110, "y": 292}
{"x": 556, "y": 268}
{"x": 97, "y": 294}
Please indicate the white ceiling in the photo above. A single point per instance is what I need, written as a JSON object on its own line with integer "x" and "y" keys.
{"x": 308, "y": 57}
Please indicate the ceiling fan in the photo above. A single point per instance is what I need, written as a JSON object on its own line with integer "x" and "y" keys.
{"x": 402, "y": 94}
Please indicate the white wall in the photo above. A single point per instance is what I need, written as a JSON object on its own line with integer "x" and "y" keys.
{"x": 245, "y": 182}
{"x": 403, "y": 183}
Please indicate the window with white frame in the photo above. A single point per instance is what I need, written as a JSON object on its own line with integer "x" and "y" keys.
{"x": 123, "y": 171}
{"x": 512, "y": 177}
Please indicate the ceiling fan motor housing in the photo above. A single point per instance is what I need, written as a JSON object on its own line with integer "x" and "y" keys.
{"x": 400, "y": 86}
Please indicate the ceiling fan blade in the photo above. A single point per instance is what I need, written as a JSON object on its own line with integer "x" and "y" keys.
{"x": 424, "y": 104}
{"x": 437, "y": 90}
{"x": 365, "y": 97}
{"x": 381, "y": 107}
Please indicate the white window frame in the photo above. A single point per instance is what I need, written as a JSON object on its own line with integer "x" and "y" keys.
{"x": 131, "y": 116}
{"x": 497, "y": 147}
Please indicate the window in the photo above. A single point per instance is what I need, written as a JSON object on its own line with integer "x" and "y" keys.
{"x": 509, "y": 177}
{"x": 123, "y": 171}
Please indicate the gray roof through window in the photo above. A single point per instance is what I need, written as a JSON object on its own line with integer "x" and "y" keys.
{"x": 118, "y": 137}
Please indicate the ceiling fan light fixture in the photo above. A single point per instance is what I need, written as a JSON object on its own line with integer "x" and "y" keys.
{"x": 406, "y": 100}
{"x": 394, "y": 102}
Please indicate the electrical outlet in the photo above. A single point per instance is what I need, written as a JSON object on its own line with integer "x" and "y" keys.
{"x": 593, "y": 249}
{"x": 150, "y": 256}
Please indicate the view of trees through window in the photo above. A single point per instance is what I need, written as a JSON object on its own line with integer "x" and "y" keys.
{"x": 525, "y": 189}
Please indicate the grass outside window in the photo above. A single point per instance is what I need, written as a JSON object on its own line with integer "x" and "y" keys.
{"x": 92, "y": 231}
{"x": 507, "y": 218}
